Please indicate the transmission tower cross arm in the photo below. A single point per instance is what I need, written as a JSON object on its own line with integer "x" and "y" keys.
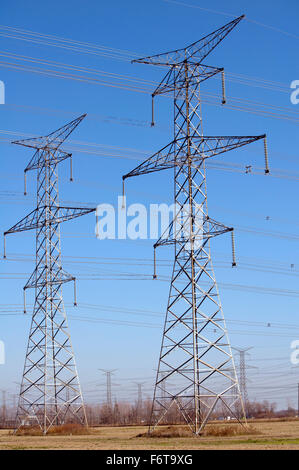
{"x": 69, "y": 213}
{"x": 40, "y": 158}
{"x": 175, "y": 79}
{"x": 205, "y": 228}
{"x": 178, "y": 152}
{"x": 39, "y": 279}
{"x": 52, "y": 140}
{"x": 161, "y": 160}
{"x": 48, "y": 215}
{"x": 195, "y": 52}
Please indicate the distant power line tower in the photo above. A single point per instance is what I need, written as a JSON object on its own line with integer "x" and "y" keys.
{"x": 242, "y": 375}
{"x": 50, "y": 392}
{"x": 195, "y": 347}
{"x": 139, "y": 399}
{"x": 3, "y": 407}
{"x": 108, "y": 374}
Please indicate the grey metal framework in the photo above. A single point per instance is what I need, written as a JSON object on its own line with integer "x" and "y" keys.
{"x": 108, "y": 374}
{"x": 195, "y": 354}
{"x": 242, "y": 375}
{"x": 50, "y": 392}
{"x": 139, "y": 400}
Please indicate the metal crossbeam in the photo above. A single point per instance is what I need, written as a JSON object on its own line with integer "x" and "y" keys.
{"x": 48, "y": 215}
{"x": 179, "y": 150}
{"x": 176, "y": 231}
{"x": 175, "y": 78}
{"x": 195, "y": 52}
{"x": 40, "y": 155}
{"x": 53, "y": 140}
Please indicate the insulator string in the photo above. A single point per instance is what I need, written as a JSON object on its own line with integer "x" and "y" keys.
{"x": 75, "y": 293}
{"x": 24, "y": 297}
{"x": 71, "y": 168}
{"x": 123, "y": 195}
{"x": 266, "y": 156}
{"x": 153, "y": 117}
{"x": 4, "y": 247}
{"x": 155, "y": 271}
{"x": 25, "y": 183}
{"x": 233, "y": 249}
{"x": 223, "y": 88}
{"x": 97, "y": 225}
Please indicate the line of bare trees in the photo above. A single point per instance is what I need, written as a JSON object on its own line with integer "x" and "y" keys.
{"x": 126, "y": 414}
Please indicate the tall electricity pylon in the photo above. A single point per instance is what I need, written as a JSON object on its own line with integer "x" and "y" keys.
{"x": 3, "y": 407}
{"x": 108, "y": 374}
{"x": 195, "y": 347}
{"x": 50, "y": 392}
{"x": 242, "y": 375}
{"x": 139, "y": 400}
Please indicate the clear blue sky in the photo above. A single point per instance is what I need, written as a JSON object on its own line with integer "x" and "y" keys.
{"x": 119, "y": 119}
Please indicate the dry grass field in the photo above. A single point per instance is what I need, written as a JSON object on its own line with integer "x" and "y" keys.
{"x": 274, "y": 434}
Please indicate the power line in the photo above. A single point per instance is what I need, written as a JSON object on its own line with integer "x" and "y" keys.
{"x": 68, "y": 44}
{"x": 236, "y": 78}
{"x": 263, "y": 25}
{"x": 129, "y": 54}
{"x": 148, "y": 313}
{"x": 239, "y": 104}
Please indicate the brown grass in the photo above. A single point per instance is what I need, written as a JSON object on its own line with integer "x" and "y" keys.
{"x": 229, "y": 430}
{"x": 217, "y": 430}
{"x": 169, "y": 431}
{"x": 61, "y": 430}
{"x": 272, "y": 434}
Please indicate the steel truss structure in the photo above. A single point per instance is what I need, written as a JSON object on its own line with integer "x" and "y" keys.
{"x": 242, "y": 375}
{"x": 50, "y": 391}
{"x": 108, "y": 374}
{"x": 195, "y": 355}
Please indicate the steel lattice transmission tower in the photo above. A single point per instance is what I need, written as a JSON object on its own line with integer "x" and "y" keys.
{"x": 139, "y": 399}
{"x": 108, "y": 374}
{"x": 195, "y": 347}
{"x": 242, "y": 375}
{"x": 139, "y": 403}
{"x": 50, "y": 391}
